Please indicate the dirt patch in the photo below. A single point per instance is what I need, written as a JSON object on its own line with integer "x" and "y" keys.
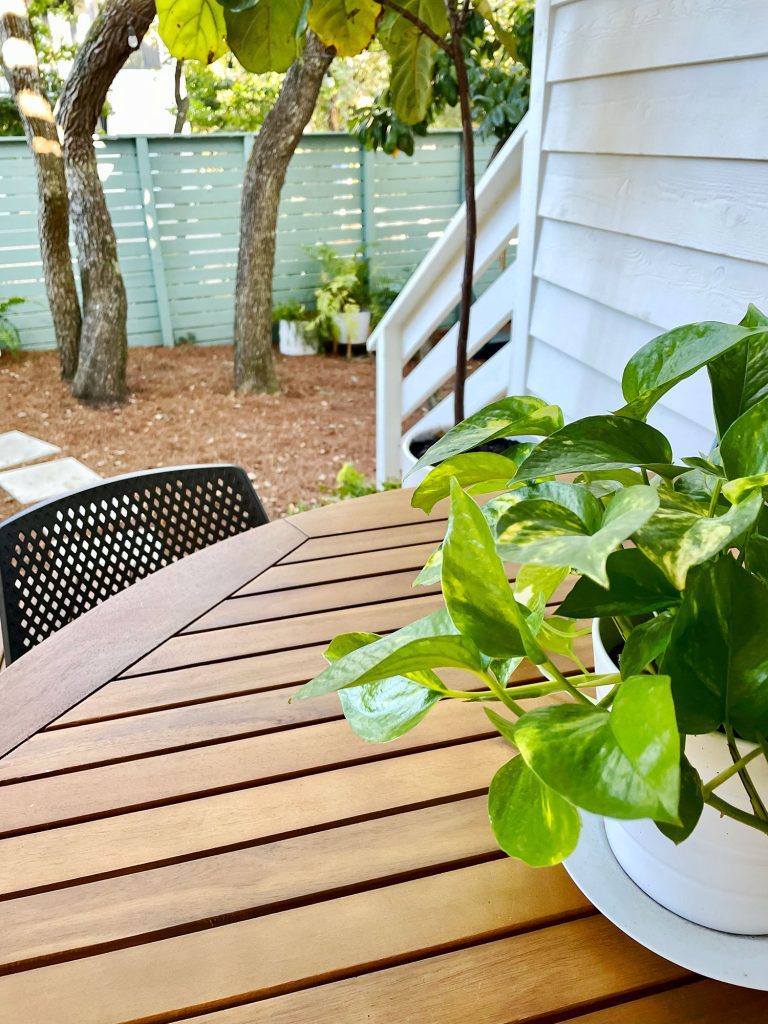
{"x": 182, "y": 410}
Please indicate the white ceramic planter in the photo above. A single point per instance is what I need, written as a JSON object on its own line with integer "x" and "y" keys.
{"x": 292, "y": 341}
{"x": 407, "y": 461}
{"x": 718, "y": 877}
{"x": 353, "y": 327}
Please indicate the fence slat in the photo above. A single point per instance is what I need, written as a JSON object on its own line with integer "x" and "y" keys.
{"x": 175, "y": 206}
{"x": 153, "y": 238}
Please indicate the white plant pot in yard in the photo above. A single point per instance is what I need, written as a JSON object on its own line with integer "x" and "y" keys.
{"x": 353, "y": 327}
{"x": 408, "y": 461}
{"x": 718, "y": 877}
{"x": 292, "y": 340}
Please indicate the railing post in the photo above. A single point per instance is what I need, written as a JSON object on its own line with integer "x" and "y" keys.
{"x": 366, "y": 200}
{"x": 389, "y": 399}
{"x": 153, "y": 239}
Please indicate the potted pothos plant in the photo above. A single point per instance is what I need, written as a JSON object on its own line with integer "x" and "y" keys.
{"x": 342, "y": 298}
{"x": 294, "y": 322}
{"x": 670, "y": 559}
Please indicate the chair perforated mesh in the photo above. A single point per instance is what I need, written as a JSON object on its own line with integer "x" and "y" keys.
{"x": 63, "y": 557}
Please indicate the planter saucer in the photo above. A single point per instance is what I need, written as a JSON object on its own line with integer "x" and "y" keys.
{"x": 736, "y": 959}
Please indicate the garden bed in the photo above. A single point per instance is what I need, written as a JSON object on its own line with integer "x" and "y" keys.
{"x": 182, "y": 410}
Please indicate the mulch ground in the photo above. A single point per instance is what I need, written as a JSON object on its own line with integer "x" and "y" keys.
{"x": 182, "y": 410}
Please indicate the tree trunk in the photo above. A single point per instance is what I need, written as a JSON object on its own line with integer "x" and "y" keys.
{"x": 117, "y": 31}
{"x": 23, "y": 74}
{"x": 457, "y": 20}
{"x": 264, "y": 177}
{"x": 182, "y": 102}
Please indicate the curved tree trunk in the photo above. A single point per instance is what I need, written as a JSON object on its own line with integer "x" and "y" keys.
{"x": 182, "y": 102}
{"x": 23, "y": 74}
{"x": 104, "y": 341}
{"x": 264, "y": 177}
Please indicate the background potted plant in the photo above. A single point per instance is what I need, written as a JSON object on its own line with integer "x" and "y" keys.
{"x": 342, "y": 299}
{"x": 672, "y": 560}
{"x": 10, "y": 341}
{"x": 295, "y": 334}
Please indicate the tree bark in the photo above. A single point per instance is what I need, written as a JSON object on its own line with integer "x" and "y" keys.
{"x": 264, "y": 176}
{"x": 182, "y": 102}
{"x": 21, "y": 70}
{"x": 100, "y": 374}
{"x": 457, "y": 19}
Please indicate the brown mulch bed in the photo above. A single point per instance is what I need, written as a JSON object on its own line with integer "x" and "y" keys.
{"x": 182, "y": 410}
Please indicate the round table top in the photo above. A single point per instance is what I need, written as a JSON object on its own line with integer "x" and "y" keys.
{"x": 179, "y": 841}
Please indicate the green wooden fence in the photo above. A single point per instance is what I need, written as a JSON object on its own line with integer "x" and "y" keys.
{"x": 175, "y": 203}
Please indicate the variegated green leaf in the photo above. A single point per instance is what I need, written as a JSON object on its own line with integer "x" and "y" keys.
{"x": 546, "y": 533}
{"x": 676, "y": 540}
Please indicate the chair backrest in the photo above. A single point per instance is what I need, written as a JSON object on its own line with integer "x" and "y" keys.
{"x": 62, "y": 557}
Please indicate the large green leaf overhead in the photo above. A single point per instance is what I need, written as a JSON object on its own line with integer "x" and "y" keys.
{"x": 739, "y": 377}
{"x": 263, "y": 37}
{"x": 718, "y": 655}
{"x": 411, "y": 53}
{"x": 744, "y": 448}
{"x": 347, "y": 25}
{"x": 670, "y": 358}
{"x": 192, "y": 29}
{"x": 597, "y": 443}
{"x": 635, "y": 587}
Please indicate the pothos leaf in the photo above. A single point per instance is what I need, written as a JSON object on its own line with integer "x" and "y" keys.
{"x": 529, "y": 820}
{"x": 545, "y": 533}
{"x": 625, "y": 763}
{"x": 477, "y": 593}
{"x": 193, "y": 29}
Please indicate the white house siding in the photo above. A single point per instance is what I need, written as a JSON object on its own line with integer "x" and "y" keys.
{"x": 651, "y": 187}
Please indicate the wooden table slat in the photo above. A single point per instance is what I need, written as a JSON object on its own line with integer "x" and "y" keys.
{"x": 262, "y": 813}
{"x": 384, "y": 539}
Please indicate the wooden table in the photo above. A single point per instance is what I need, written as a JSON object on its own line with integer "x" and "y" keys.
{"x": 183, "y": 843}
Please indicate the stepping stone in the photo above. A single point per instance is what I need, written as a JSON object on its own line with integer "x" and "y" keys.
{"x": 47, "y": 480}
{"x": 17, "y": 447}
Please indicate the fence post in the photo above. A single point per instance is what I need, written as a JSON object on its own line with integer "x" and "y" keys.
{"x": 368, "y": 216}
{"x": 153, "y": 238}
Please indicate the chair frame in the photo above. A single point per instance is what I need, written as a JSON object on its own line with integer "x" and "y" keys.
{"x": 153, "y": 529}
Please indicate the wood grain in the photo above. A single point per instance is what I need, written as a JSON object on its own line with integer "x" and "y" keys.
{"x": 239, "y": 641}
{"x": 429, "y": 531}
{"x": 354, "y": 593}
{"x": 375, "y": 511}
{"x": 700, "y": 1003}
{"x": 139, "y": 693}
{"x": 247, "y": 816}
{"x": 248, "y": 761}
{"x": 252, "y": 958}
{"x": 342, "y": 567}
{"x": 78, "y": 659}
{"x": 247, "y": 882}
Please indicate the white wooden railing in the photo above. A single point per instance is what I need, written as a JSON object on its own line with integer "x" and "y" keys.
{"x": 429, "y": 297}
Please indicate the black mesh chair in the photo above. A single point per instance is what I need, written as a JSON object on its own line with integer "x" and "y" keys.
{"x": 62, "y": 557}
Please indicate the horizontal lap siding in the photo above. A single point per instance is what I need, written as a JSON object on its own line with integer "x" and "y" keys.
{"x": 397, "y": 213}
{"x": 653, "y": 208}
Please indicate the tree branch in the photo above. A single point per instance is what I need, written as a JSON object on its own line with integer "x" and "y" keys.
{"x": 422, "y": 26}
